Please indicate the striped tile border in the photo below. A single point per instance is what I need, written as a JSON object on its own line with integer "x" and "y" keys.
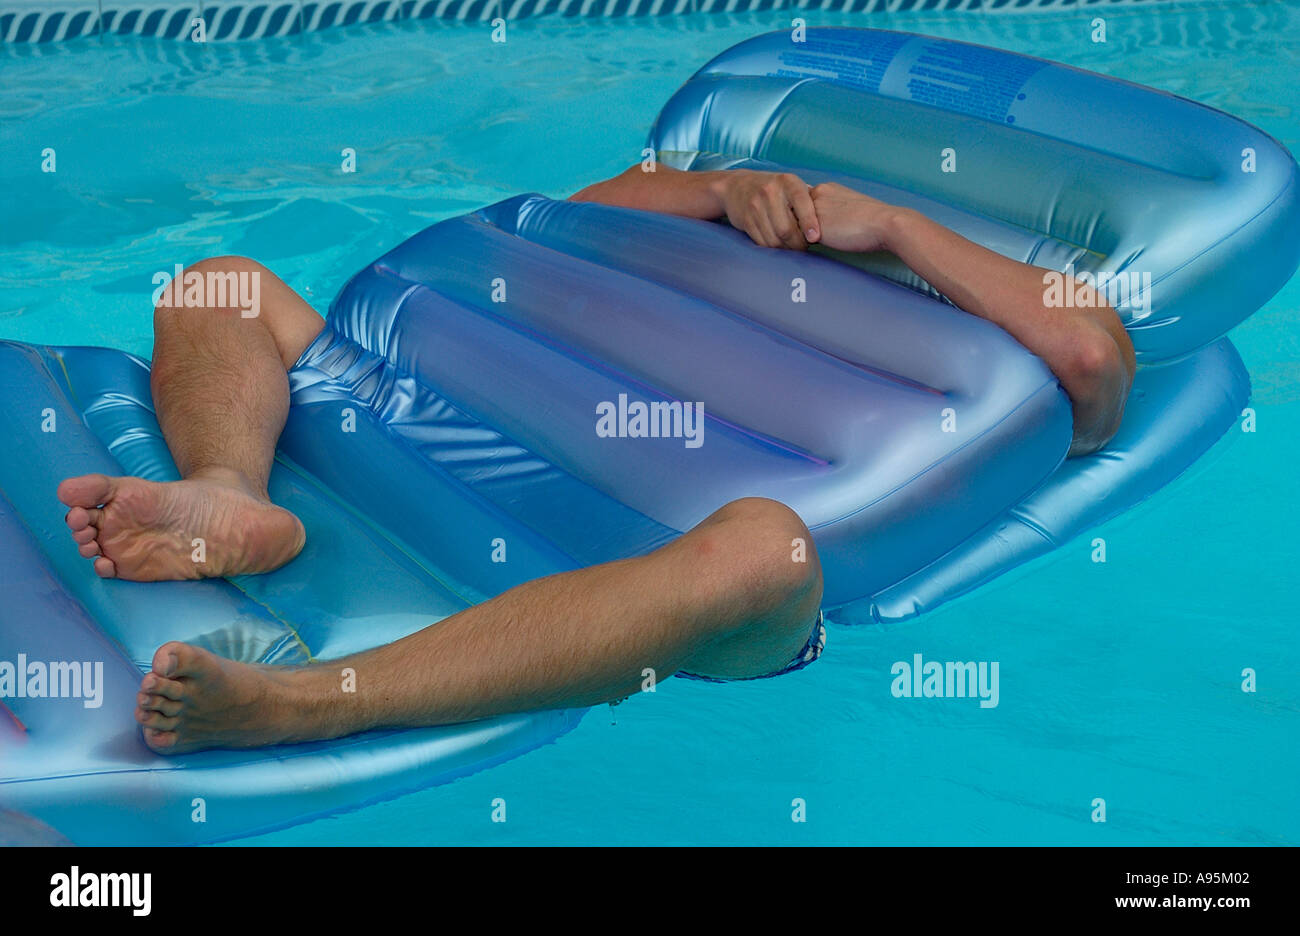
{"x": 55, "y": 20}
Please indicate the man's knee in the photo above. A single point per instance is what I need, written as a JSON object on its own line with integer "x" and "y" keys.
{"x": 760, "y": 585}
{"x": 239, "y": 288}
{"x": 223, "y": 284}
{"x": 765, "y": 555}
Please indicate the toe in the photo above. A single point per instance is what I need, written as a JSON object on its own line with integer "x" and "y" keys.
{"x": 105, "y": 567}
{"x": 156, "y": 720}
{"x": 86, "y": 490}
{"x": 153, "y": 684}
{"x": 177, "y": 660}
{"x": 157, "y": 703}
{"x": 160, "y": 741}
{"x": 89, "y": 550}
{"x": 80, "y": 519}
{"x": 84, "y": 536}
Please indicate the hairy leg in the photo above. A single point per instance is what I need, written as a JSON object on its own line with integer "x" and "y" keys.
{"x": 727, "y": 599}
{"x": 222, "y": 396}
{"x": 219, "y": 380}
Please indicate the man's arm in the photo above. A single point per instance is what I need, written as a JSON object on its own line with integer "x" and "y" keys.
{"x": 774, "y": 208}
{"x": 1086, "y": 347}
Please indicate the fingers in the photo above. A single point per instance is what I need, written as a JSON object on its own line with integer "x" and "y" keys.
{"x": 759, "y": 228}
{"x": 805, "y": 213}
{"x": 781, "y": 213}
{"x": 781, "y": 217}
{"x": 754, "y": 219}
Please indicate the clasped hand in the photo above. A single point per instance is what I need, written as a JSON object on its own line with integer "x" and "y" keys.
{"x": 778, "y": 209}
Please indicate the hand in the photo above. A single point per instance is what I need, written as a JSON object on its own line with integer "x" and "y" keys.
{"x": 773, "y": 208}
{"x": 851, "y": 221}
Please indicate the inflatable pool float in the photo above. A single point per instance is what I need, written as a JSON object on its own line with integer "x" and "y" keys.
{"x": 579, "y": 383}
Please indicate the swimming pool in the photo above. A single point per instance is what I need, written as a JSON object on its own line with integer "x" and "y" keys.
{"x": 1119, "y": 681}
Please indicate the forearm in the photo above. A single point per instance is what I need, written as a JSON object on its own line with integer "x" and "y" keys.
{"x": 667, "y": 190}
{"x": 773, "y": 208}
{"x": 1085, "y": 345}
{"x": 1004, "y": 291}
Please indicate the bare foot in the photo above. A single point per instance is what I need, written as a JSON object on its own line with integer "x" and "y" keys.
{"x": 194, "y": 699}
{"x": 146, "y": 531}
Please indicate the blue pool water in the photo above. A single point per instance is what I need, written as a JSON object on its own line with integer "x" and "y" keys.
{"x": 1119, "y": 680}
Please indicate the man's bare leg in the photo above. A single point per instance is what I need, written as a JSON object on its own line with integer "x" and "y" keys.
{"x": 222, "y": 396}
{"x": 727, "y": 599}
{"x": 730, "y": 598}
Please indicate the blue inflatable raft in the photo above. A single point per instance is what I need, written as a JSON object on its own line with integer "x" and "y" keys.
{"x": 455, "y": 401}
